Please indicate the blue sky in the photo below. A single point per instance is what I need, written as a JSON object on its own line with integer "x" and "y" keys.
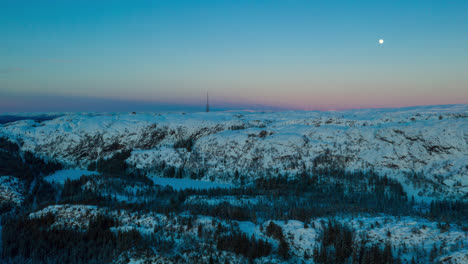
{"x": 248, "y": 54}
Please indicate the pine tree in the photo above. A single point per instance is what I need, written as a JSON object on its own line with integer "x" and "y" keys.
{"x": 434, "y": 253}
{"x": 200, "y": 231}
{"x": 387, "y": 254}
{"x": 283, "y": 249}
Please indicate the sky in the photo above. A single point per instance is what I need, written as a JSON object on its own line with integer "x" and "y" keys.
{"x": 288, "y": 54}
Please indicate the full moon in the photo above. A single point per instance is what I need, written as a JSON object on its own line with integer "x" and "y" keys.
{"x": 381, "y": 41}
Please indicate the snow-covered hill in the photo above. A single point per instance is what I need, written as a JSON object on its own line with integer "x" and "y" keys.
{"x": 408, "y": 236}
{"x": 430, "y": 140}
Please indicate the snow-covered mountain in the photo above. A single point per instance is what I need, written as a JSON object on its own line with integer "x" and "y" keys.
{"x": 431, "y": 141}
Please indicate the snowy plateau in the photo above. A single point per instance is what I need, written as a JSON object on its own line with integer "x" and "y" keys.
{"x": 430, "y": 141}
{"x": 358, "y": 186}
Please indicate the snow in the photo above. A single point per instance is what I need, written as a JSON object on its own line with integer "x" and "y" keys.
{"x": 61, "y": 176}
{"x": 11, "y": 190}
{"x": 429, "y": 139}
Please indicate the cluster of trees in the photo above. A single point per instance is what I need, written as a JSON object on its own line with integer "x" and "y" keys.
{"x": 114, "y": 165}
{"x": 449, "y": 211}
{"x": 178, "y": 172}
{"x": 24, "y": 165}
{"x": 73, "y": 192}
{"x": 338, "y": 244}
{"x": 42, "y": 194}
{"x": 275, "y": 231}
{"x": 334, "y": 192}
{"x": 375, "y": 254}
{"x": 33, "y": 239}
{"x": 186, "y": 143}
{"x": 239, "y": 243}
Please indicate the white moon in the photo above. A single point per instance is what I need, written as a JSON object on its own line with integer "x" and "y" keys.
{"x": 381, "y": 41}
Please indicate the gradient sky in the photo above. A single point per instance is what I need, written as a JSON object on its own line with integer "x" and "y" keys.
{"x": 121, "y": 55}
